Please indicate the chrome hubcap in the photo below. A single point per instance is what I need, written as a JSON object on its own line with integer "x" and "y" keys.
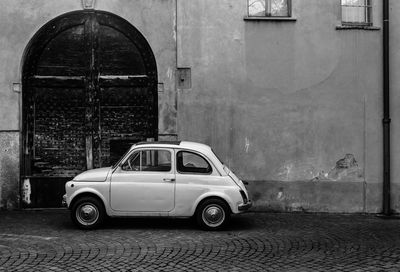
{"x": 213, "y": 215}
{"x": 87, "y": 214}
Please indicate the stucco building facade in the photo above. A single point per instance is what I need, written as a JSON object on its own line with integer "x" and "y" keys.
{"x": 292, "y": 103}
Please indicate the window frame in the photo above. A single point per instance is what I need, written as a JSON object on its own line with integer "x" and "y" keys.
{"x": 268, "y": 8}
{"x": 193, "y": 173}
{"x": 368, "y": 9}
{"x": 140, "y": 160}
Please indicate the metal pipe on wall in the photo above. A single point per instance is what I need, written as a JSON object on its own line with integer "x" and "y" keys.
{"x": 386, "y": 111}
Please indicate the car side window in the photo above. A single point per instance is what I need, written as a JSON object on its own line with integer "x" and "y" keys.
{"x": 188, "y": 162}
{"x": 151, "y": 160}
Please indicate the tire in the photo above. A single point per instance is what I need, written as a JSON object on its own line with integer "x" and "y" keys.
{"x": 88, "y": 213}
{"x": 213, "y": 214}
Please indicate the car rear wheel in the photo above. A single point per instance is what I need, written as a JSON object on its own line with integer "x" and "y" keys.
{"x": 87, "y": 213}
{"x": 212, "y": 214}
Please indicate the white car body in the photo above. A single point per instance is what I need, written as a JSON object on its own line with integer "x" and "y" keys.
{"x": 168, "y": 193}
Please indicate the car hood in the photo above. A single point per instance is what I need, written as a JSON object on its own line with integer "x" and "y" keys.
{"x": 99, "y": 174}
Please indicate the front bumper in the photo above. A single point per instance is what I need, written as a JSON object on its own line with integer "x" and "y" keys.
{"x": 246, "y": 206}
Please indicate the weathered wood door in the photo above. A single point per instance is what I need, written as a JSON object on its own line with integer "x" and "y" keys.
{"x": 89, "y": 92}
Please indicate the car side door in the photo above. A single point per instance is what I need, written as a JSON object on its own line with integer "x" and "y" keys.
{"x": 144, "y": 182}
{"x": 195, "y": 176}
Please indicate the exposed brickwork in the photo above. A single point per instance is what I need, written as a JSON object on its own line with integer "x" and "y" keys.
{"x": 47, "y": 241}
{"x": 125, "y": 113}
{"x": 59, "y": 132}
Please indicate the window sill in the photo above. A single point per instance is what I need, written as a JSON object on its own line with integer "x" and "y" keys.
{"x": 264, "y": 18}
{"x": 349, "y": 27}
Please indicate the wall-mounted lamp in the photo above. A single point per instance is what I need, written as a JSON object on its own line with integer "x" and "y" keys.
{"x": 88, "y": 4}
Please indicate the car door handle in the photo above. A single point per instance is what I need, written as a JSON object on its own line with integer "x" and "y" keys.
{"x": 169, "y": 179}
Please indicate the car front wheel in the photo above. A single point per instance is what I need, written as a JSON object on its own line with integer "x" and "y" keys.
{"x": 213, "y": 214}
{"x": 87, "y": 213}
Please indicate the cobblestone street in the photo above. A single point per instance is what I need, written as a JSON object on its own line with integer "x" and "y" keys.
{"x": 47, "y": 241}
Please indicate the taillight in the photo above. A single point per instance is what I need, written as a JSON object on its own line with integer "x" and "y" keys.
{"x": 243, "y": 194}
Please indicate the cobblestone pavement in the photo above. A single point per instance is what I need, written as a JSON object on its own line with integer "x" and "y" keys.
{"x": 47, "y": 241}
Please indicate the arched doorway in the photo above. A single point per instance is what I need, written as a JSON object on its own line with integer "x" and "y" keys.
{"x": 89, "y": 92}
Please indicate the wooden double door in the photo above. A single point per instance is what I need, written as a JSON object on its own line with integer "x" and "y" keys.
{"x": 89, "y": 92}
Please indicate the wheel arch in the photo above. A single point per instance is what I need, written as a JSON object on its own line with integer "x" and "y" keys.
{"x": 207, "y": 197}
{"x": 79, "y": 195}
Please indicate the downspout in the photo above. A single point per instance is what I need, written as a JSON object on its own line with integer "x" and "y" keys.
{"x": 386, "y": 112}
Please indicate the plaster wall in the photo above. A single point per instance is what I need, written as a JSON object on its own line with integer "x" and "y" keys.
{"x": 283, "y": 102}
{"x": 9, "y": 170}
{"x": 20, "y": 20}
{"x": 394, "y": 102}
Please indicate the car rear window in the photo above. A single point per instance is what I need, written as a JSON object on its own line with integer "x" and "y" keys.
{"x": 189, "y": 162}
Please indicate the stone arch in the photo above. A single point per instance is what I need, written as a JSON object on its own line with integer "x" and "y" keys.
{"x": 89, "y": 91}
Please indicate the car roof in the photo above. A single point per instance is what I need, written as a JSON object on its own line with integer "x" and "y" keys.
{"x": 174, "y": 144}
{"x": 199, "y": 147}
{"x": 159, "y": 143}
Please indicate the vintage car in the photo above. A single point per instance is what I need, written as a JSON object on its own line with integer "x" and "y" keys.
{"x": 173, "y": 179}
